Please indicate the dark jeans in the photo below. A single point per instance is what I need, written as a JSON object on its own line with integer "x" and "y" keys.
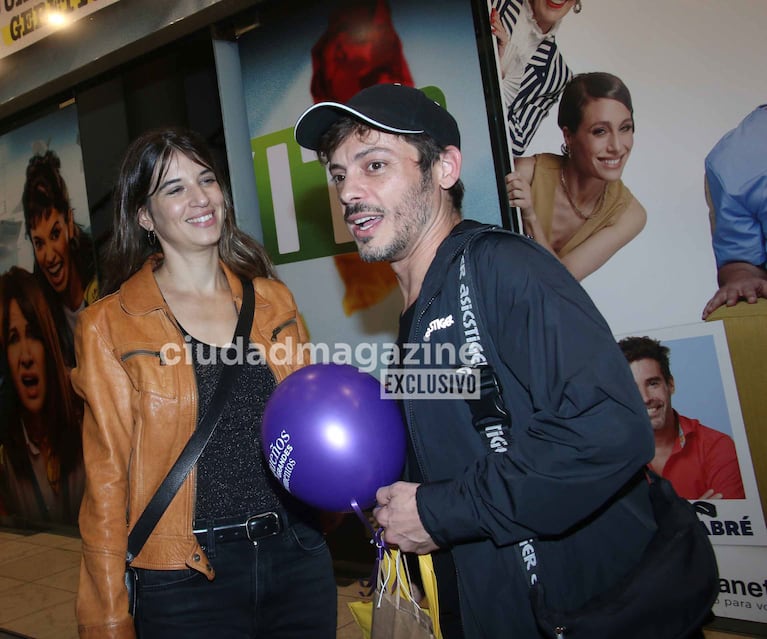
{"x": 281, "y": 587}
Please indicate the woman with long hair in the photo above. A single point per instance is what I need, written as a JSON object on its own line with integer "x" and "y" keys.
{"x": 575, "y": 204}
{"x": 233, "y": 552}
{"x": 41, "y": 463}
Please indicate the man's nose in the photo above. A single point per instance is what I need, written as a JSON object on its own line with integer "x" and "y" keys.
{"x": 350, "y": 189}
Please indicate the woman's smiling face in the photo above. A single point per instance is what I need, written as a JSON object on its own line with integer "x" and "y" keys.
{"x": 602, "y": 144}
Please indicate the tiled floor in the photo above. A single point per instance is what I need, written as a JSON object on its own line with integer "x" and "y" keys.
{"x": 38, "y": 582}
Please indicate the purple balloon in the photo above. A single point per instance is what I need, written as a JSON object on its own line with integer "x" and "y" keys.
{"x": 330, "y": 439}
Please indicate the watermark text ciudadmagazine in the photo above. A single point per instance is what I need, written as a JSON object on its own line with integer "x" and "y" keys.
{"x": 406, "y": 371}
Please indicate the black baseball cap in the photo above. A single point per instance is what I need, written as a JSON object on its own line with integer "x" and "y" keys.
{"x": 394, "y": 108}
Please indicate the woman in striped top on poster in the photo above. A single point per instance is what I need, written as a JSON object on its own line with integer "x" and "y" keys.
{"x": 532, "y": 69}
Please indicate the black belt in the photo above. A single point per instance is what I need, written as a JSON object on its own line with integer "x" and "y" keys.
{"x": 253, "y": 528}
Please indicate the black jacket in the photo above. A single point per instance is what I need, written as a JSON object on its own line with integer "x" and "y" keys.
{"x": 571, "y": 477}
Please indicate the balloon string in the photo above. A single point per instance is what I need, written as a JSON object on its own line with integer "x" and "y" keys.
{"x": 376, "y": 538}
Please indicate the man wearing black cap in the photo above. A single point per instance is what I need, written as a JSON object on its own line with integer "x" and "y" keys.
{"x": 558, "y": 499}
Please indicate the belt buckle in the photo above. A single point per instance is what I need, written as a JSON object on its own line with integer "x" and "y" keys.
{"x": 263, "y": 525}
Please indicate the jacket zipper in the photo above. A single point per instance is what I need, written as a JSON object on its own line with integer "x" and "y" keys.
{"x": 143, "y": 351}
{"x": 277, "y": 330}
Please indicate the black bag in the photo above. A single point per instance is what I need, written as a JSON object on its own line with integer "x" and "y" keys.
{"x": 668, "y": 595}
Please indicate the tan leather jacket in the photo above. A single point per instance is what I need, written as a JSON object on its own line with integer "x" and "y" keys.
{"x": 140, "y": 410}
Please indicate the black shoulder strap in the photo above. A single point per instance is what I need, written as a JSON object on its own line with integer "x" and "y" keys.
{"x": 490, "y": 416}
{"x": 194, "y": 447}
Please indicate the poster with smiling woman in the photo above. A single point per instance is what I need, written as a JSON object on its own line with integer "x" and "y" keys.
{"x": 47, "y": 275}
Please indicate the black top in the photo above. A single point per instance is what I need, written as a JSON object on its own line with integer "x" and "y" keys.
{"x": 233, "y": 479}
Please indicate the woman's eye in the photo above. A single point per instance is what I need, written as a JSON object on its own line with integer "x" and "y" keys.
{"x": 376, "y": 166}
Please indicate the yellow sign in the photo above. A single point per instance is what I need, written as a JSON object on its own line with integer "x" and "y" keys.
{"x": 24, "y": 22}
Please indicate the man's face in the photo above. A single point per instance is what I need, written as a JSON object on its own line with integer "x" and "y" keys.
{"x": 388, "y": 203}
{"x": 656, "y": 392}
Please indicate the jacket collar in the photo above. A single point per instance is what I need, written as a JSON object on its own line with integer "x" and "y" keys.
{"x": 447, "y": 252}
{"x": 140, "y": 294}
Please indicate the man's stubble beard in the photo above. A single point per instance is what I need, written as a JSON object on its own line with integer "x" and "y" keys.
{"x": 410, "y": 217}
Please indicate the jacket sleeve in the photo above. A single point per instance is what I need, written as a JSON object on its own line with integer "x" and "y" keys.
{"x": 102, "y": 602}
{"x": 541, "y": 87}
{"x": 579, "y": 428}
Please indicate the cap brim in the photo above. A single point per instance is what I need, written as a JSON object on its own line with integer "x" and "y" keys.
{"x": 317, "y": 119}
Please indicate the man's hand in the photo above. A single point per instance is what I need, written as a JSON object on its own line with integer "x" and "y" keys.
{"x": 398, "y": 515}
{"x": 738, "y": 280}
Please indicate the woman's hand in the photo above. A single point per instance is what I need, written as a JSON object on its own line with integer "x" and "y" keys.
{"x": 498, "y": 30}
{"x": 520, "y": 195}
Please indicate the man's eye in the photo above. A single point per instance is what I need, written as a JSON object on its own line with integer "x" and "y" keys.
{"x": 55, "y": 233}
{"x": 376, "y": 166}
{"x": 337, "y": 179}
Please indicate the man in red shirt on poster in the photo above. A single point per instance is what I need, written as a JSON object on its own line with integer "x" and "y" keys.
{"x": 700, "y": 462}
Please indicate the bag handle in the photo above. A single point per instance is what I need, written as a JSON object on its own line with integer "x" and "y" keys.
{"x": 202, "y": 434}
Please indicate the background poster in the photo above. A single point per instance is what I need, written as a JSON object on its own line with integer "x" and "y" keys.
{"x": 293, "y": 187}
{"x": 689, "y": 67}
{"x": 41, "y": 476}
{"x": 57, "y": 131}
{"x": 742, "y": 583}
{"x": 705, "y": 390}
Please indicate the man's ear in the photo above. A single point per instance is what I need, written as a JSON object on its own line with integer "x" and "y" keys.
{"x": 671, "y": 386}
{"x": 145, "y": 219}
{"x": 449, "y": 167}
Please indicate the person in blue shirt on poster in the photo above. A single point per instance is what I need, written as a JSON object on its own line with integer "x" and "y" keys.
{"x": 736, "y": 188}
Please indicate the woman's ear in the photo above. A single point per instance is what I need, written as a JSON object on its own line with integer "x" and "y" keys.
{"x": 449, "y": 167}
{"x": 145, "y": 219}
{"x": 568, "y": 137}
